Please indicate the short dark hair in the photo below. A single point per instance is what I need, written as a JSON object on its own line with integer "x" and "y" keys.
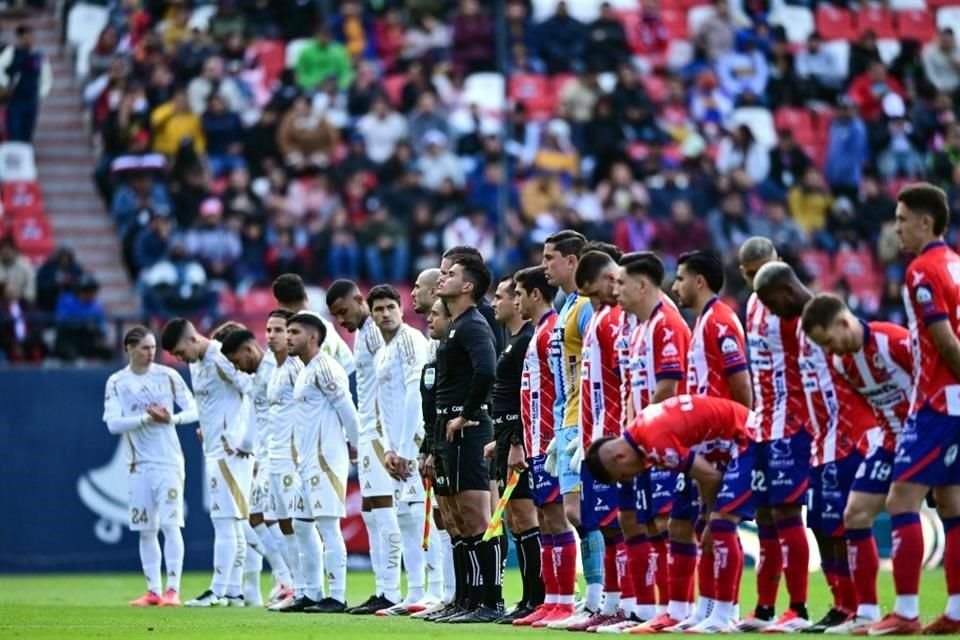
{"x": 280, "y": 313}
{"x": 23, "y": 29}
{"x": 340, "y": 289}
{"x": 567, "y": 242}
{"x": 172, "y": 332}
{"x": 821, "y": 311}
{"x": 924, "y": 199}
{"x": 383, "y": 292}
{"x": 593, "y": 462}
{"x": 592, "y": 264}
{"x": 133, "y": 337}
{"x": 236, "y": 339}
{"x": 611, "y": 250}
{"x": 535, "y": 278}
{"x": 310, "y": 319}
{"x": 462, "y": 250}
{"x": 289, "y": 289}
{"x": 646, "y": 264}
{"x": 221, "y": 332}
{"x": 706, "y": 263}
{"x": 513, "y": 284}
{"x": 475, "y": 271}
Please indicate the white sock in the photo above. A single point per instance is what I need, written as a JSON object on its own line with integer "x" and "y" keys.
{"x": 235, "y": 582}
{"x": 594, "y": 596}
{"x": 311, "y": 552}
{"x": 391, "y": 544}
{"x": 677, "y": 610}
{"x": 373, "y": 537}
{"x": 150, "y": 560}
{"x": 291, "y": 554}
{"x": 414, "y": 557}
{"x": 953, "y": 607}
{"x": 334, "y": 556}
{"x": 449, "y": 573}
{"x": 611, "y": 602}
{"x": 648, "y": 612}
{"x": 868, "y": 611}
{"x": 907, "y": 606}
{"x": 224, "y": 554}
{"x": 173, "y": 556}
{"x": 252, "y": 568}
{"x": 628, "y": 606}
{"x": 703, "y": 608}
{"x": 273, "y": 553}
{"x": 725, "y": 611}
{"x": 434, "y": 560}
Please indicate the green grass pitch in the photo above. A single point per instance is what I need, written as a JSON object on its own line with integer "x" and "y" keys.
{"x": 94, "y": 606}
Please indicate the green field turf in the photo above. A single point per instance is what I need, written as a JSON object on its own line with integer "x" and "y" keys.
{"x": 94, "y": 606}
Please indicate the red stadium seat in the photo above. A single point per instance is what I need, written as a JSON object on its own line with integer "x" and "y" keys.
{"x": 916, "y": 24}
{"x": 936, "y": 4}
{"x": 880, "y": 21}
{"x": 227, "y": 303}
{"x": 257, "y": 302}
{"x": 676, "y": 23}
{"x": 655, "y": 85}
{"x": 33, "y": 236}
{"x": 795, "y": 119}
{"x": 22, "y": 199}
{"x": 534, "y": 92}
{"x": 272, "y": 57}
{"x": 560, "y": 81}
{"x": 630, "y": 19}
{"x": 858, "y": 268}
{"x": 818, "y": 264}
{"x": 393, "y": 85}
{"x": 835, "y": 24}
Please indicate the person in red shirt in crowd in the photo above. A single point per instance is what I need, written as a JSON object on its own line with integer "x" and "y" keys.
{"x": 869, "y": 88}
{"x": 712, "y": 440}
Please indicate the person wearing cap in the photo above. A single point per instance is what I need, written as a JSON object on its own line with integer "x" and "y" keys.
{"x": 26, "y": 76}
{"x": 437, "y": 163}
{"x": 213, "y": 243}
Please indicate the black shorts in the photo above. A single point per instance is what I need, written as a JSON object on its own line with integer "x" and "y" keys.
{"x": 463, "y": 461}
{"x": 502, "y": 427}
{"x": 441, "y": 481}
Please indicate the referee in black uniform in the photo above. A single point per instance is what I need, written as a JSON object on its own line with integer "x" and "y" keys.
{"x": 466, "y": 366}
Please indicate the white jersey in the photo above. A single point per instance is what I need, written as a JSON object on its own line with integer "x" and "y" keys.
{"x": 325, "y": 410}
{"x": 283, "y": 411}
{"x": 334, "y": 346}
{"x": 223, "y": 403}
{"x": 369, "y": 341}
{"x": 399, "y": 365}
{"x": 261, "y": 406}
{"x": 125, "y": 403}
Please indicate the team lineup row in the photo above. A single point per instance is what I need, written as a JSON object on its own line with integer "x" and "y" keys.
{"x": 602, "y": 414}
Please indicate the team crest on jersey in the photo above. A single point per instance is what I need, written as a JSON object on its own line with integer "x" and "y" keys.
{"x": 172, "y": 494}
{"x": 924, "y": 295}
{"x": 213, "y": 483}
{"x": 287, "y": 481}
{"x": 429, "y": 377}
{"x": 729, "y": 346}
{"x": 314, "y": 481}
{"x": 366, "y": 462}
{"x": 670, "y": 350}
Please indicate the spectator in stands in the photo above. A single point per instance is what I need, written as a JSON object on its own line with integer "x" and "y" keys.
{"x": 305, "y": 138}
{"x": 682, "y": 231}
{"x": 19, "y": 339}
{"x": 717, "y": 34}
{"x": 229, "y": 19}
{"x": 239, "y": 198}
{"x": 730, "y": 226}
{"x": 633, "y": 107}
{"x": 578, "y": 97}
{"x": 820, "y": 71}
{"x": 635, "y": 231}
{"x": 173, "y": 123}
{"x": 341, "y": 249}
{"x": 710, "y": 107}
{"x": 103, "y": 52}
{"x": 740, "y": 150}
{"x": 540, "y": 194}
{"x": 484, "y": 192}
{"x": 418, "y": 82}
{"x": 26, "y": 77}
{"x": 322, "y": 58}
{"x": 427, "y": 38}
{"x": 941, "y": 62}
{"x": 847, "y": 150}
{"x": 81, "y": 323}
{"x": 354, "y": 30}
{"x": 472, "y": 45}
{"x": 788, "y": 162}
{"x": 606, "y": 41}
{"x": 385, "y": 249}
{"x": 943, "y": 162}
{"x": 426, "y": 117}
{"x": 743, "y": 71}
{"x": 17, "y": 272}
{"x": 364, "y": 88}
{"x": 251, "y": 267}
{"x": 140, "y": 197}
{"x": 875, "y": 207}
{"x": 471, "y": 230}
{"x": 863, "y": 53}
{"x": 223, "y": 131}
{"x": 869, "y": 89}
{"x": 438, "y": 164}
{"x": 382, "y": 129}
{"x": 908, "y": 69}
{"x": 557, "y": 153}
{"x": 563, "y": 41}
{"x": 214, "y": 244}
{"x": 176, "y": 26}
{"x": 214, "y": 79}
{"x": 667, "y": 186}
{"x": 899, "y": 147}
{"x": 60, "y": 272}
{"x": 783, "y": 230}
{"x": 652, "y": 35}
{"x": 177, "y": 286}
{"x": 620, "y": 190}
{"x": 283, "y": 256}
{"x": 523, "y": 44}
{"x": 843, "y": 227}
{"x": 810, "y": 201}
{"x": 153, "y": 241}
{"x": 784, "y": 87}
{"x": 312, "y": 196}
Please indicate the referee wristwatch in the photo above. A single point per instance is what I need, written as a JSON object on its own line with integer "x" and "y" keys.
{"x": 515, "y": 439}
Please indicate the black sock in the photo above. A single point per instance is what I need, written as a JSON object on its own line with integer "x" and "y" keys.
{"x": 459, "y": 569}
{"x": 522, "y": 562}
{"x": 476, "y": 571}
{"x": 801, "y": 609}
{"x": 504, "y": 552}
{"x": 765, "y": 612}
{"x": 528, "y": 546}
{"x": 488, "y": 558}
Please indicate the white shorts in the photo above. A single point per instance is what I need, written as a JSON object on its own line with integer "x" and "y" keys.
{"x": 372, "y": 474}
{"x": 286, "y": 499}
{"x": 155, "y": 498}
{"x": 324, "y": 486}
{"x": 260, "y": 494}
{"x": 229, "y": 480}
{"x": 411, "y": 489}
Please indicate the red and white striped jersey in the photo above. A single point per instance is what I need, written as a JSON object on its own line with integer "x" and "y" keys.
{"x": 538, "y": 389}
{"x": 717, "y": 351}
{"x": 839, "y": 417}
{"x": 658, "y": 352}
{"x": 879, "y": 372}
{"x": 624, "y": 337}
{"x": 600, "y": 376}
{"x": 777, "y": 390}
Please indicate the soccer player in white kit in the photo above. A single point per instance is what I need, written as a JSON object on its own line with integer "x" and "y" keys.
{"x": 398, "y": 367}
{"x": 223, "y": 397}
{"x": 326, "y": 422}
{"x": 138, "y": 406}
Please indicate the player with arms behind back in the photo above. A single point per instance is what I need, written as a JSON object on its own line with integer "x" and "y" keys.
{"x": 139, "y": 407}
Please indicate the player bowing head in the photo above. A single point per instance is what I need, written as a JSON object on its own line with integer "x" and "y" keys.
{"x": 596, "y": 277}
{"x": 182, "y": 340}
{"x": 346, "y": 304}
{"x": 242, "y": 350}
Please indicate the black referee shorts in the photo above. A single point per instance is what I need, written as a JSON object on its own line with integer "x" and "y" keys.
{"x": 503, "y": 426}
{"x": 441, "y": 481}
{"x": 463, "y": 461}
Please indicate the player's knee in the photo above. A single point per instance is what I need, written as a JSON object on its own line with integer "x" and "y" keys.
{"x": 681, "y": 531}
{"x": 948, "y": 501}
{"x": 904, "y": 498}
{"x": 149, "y": 534}
{"x": 628, "y": 523}
{"x": 785, "y": 512}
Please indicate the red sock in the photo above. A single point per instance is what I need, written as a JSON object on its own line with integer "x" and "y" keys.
{"x": 728, "y": 561}
{"x": 736, "y": 588}
{"x": 951, "y": 554}
{"x": 847, "y": 593}
{"x": 829, "y": 568}
{"x": 659, "y": 546}
{"x": 611, "y": 584}
{"x": 769, "y": 566}
{"x": 623, "y": 572}
{"x": 565, "y": 559}
{"x": 706, "y": 584}
{"x": 638, "y": 563}
{"x": 550, "y": 586}
{"x": 864, "y": 561}
{"x": 683, "y": 566}
{"x": 795, "y": 552}
{"x": 907, "y": 553}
